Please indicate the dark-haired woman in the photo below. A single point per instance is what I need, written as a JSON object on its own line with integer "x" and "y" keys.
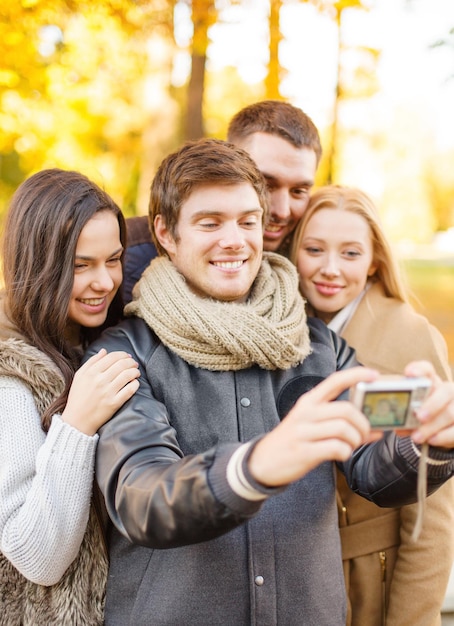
{"x": 62, "y": 263}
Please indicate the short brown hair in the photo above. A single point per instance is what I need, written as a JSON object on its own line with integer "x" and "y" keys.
{"x": 198, "y": 163}
{"x": 279, "y": 118}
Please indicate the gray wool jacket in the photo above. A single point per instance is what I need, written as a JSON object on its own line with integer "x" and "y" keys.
{"x": 184, "y": 548}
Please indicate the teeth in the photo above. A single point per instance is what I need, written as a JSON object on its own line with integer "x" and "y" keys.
{"x": 273, "y": 228}
{"x": 92, "y": 301}
{"x": 229, "y": 264}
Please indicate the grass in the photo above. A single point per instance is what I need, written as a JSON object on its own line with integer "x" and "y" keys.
{"x": 432, "y": 282}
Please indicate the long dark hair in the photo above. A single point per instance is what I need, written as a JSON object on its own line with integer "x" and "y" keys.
{"x": 46, "y": 216}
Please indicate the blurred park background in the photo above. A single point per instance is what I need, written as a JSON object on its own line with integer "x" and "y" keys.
{"x": 110, "y": 87}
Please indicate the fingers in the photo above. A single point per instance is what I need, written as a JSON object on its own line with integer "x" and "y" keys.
{"x": 337, "y": 429}
{"x": 120, "y": 374}
{"x": 422, "y": 368}
{"x": 317, "y": 406}
{"x": 330, "y": 388}
{"x": 109, "y": 375}
{"x": 103, "y": 360}
{"x": 121, "y": 369}
{"x": 334, "y": 419}
{"x": 340, "y": 449}
{"x": 124, "y": 393}
{"x": 335, "y": 449}
{"x": 437, "y": 417}
{"x": 115, "y": 369}
{"x": 443, "y": 439}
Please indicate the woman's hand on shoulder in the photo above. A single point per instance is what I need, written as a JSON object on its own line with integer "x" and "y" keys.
{"x": 100, "y": 387}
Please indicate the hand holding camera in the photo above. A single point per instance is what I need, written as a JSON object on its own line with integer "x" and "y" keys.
{"x": 391, "y": 402}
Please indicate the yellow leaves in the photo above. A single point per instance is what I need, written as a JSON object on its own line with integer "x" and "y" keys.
{"x": 73, "y": 79}
{"x": 8, "y": 78}
{"x": 13, "y": 38}
{"x": 336, "y": 7}
{"x": 350, "y": 4}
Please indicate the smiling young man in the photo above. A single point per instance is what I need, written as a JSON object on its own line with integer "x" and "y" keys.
{"x": 223, "y": 511}
{"x": 224, "y": 227}
{"x": 285, "y": 145}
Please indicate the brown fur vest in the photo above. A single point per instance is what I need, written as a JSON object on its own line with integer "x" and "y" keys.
{"x": 78, "y": 598}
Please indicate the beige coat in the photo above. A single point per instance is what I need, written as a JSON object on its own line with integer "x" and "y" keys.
{"x": 390, "y": 579}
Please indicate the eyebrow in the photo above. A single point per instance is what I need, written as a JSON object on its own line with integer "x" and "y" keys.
{"x": 302, "y": 183}
{"x": 208, "y": 213}
{"x": 88, "y": 258}
{"x": 344, "y": 243}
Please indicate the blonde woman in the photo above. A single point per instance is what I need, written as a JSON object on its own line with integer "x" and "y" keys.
{"x": 352, "y": 282}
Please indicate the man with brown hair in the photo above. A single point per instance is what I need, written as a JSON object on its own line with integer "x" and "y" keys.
{"x": 285, "y": 145}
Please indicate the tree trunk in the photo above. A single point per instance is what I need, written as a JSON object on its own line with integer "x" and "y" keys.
{"x": 272, "y": 80}
{"x": 194, "y": 115}
{"x": 203, "y": 16}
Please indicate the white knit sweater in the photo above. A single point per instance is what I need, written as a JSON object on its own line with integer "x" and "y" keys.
{"x": 45, "y": 486}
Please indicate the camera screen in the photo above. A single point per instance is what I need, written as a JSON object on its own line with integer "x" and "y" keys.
{"x": 384, "y": 408}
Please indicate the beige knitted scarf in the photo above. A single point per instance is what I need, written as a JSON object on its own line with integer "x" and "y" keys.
{"x": 270, "y": 329}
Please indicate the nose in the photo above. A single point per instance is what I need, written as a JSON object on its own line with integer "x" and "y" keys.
{"x": 232, "y": 237}
{"x": 330, "y": 267}
{"x": 102, "y": 280}
{"x": 280, "y": 205}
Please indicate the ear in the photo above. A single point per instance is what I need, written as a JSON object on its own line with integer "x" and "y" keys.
{"x": 163, "y": 235}
{"x": 372, "y": 269}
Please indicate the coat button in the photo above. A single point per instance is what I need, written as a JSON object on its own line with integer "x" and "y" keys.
{"x": 259, "y": 580}
{"x": 245, "y": 402}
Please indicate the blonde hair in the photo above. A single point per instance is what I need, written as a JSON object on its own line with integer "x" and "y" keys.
{"x": 341, "y": 198}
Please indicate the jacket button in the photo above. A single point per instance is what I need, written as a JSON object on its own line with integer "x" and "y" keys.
{"x": 245, "y": 402}
{"x": 259, "y": 580}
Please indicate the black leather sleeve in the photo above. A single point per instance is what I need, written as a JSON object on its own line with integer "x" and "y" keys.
{"x": 154, "y": 495}
{"x": 386, "y": 471}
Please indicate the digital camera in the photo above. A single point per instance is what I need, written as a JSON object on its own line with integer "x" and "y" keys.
{"x": 389, "y": 403}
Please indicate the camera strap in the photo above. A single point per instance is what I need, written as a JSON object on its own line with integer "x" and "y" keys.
{"x": 421, "y": 490}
